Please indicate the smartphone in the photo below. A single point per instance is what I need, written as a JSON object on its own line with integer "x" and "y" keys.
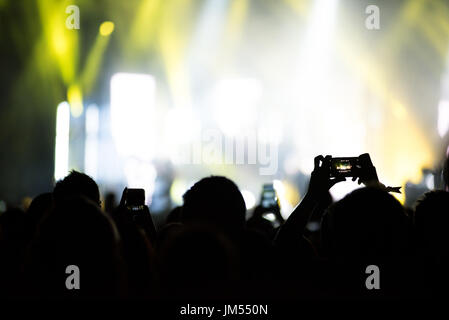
{"x": 135, "y": 199}
{"x": 138, "y": 212}
{"x": 344, "y": 167}
{"x": 269, "y": 198}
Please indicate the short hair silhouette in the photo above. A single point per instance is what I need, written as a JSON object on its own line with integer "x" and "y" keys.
{"x": 76, "y": 184}
{"x": 77, "y": 233}
{"x": 432, "y": 222}
{"x": 38, "y": 210}
{"x": 197, "y": 261}
{"x": 368, "y": 222}
{"x": 215, "y": 200}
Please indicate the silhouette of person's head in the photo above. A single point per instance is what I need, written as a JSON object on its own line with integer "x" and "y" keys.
{"x": 174, "y": 215}
{"x": 368, "y": 222}
{"x": 38, "y": 210}
{"x": 76, "y": 184}
{"x": 78, "y": 233}
{"x": 215, "y": 200}
{"x": 12, "y": 246}
{"x": 432, "y": 222}
{"x": 197, "y": 259}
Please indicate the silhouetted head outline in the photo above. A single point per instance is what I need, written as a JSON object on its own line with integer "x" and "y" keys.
{"x": 78, "y": 233}
{"x": 76, "y": 184}
{"x": 431, "y": 221}
{"x": 368, "y": 222}
{"x": 215, "y": 200}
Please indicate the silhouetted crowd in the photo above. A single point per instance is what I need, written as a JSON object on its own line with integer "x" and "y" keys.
{"x": 207, "y": 249}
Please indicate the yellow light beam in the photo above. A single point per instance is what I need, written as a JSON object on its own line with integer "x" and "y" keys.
{"x": 62, "y": 42}
{"x": 237, "y": 14}
{"x": 409, "y": 15}
{"x": 142, "y": 33}
{"x": 75, "y": 99}
{"x": 405, "y": 144}
{"x": 92, "y": 66}
{"x": 300, "y": 7}
{"x": 172, "y": 43}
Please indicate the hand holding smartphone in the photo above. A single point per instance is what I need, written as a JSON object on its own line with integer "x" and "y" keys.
{"x": 134, "y": 208}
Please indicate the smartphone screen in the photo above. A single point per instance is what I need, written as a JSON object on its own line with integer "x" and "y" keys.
{"x": 135, "y": 199}
{"x": 269, "y": 197}
{"x": 343, "y": 166}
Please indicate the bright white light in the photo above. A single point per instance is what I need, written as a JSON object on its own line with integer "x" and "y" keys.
{"x": 271, "y": 128}
{"x": 281, "y": 192}
{"x": 443, "y": 117}
{"x": 141, "y": 174}
{"x": 91, "y": 143}
{"x": 181, "y": 128}
{"x": 341, "y": 189}
{"x": 208, "y": 33}
{"x": 430, "y": 182}
{"x": 132, "y": 114}
{"x": 62, "y": 140}
{"x": 269, "y": 216}
{"x": 250, "y": 200}
{"x": 318, "y": 40}
{"x": 177, "y": 190}
{"x": 328, "y": 117}
{"x": 235, "y": 104}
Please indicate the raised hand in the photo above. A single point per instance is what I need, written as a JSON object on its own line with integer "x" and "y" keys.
{"x": 320, "y": 179}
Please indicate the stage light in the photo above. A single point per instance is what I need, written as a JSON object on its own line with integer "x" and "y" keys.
{"x": 75, "y": 99}
{"x": 61, "y": 43}
{"x": 132, "y": 114}
{"x": 235, "y": 104}
{"x": 62, "y": 140}
{"x": 430, "y": 181}
{"x": 133, "y": 127}
{"x": 287, "y": 196}
{"x": 248, "y": 197}
{"x": 177, "y": 190}
{"x": 106, "y": 28}
{"x": 91, "y": 143}
{"x": 443, "y": 117}
{"x": 319, "y": 102}
{"x": 270, "y": 127}
{"x": 181, "y": 128}
{"x": 140, "y": 174}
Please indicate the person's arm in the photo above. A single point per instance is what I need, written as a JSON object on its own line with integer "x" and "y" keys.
{"x": 320, "y": 183}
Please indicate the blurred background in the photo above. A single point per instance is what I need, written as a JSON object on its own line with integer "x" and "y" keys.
{"x": 125, "y": 96}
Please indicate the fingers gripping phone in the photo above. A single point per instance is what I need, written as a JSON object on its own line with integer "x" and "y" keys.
{"x": 355, "y": 167}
